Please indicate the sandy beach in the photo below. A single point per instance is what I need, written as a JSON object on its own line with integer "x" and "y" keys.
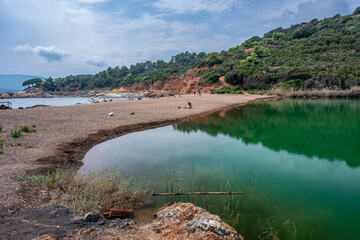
{"x": 64, "y": 134}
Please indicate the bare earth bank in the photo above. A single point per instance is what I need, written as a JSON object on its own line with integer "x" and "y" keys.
{"x": 65, "y": 134}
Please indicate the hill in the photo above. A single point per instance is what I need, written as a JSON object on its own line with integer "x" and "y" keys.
{"x": 315, "y": 55}
{"x": 13, "y": 82}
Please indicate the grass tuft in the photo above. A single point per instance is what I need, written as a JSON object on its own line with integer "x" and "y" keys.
{"x": 90, "y": 192}
{"x": 15, "y": 133}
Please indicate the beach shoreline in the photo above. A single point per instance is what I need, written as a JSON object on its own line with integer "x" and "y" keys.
{"x": 65, "y": 134}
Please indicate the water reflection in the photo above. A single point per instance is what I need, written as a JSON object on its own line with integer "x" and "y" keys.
{"x": 281, "y": 180}
{"x": 324, "y": 128}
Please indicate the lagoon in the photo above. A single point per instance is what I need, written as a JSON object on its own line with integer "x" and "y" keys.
{"x": 298, "y": 162}
{"x": 56, "y": 101}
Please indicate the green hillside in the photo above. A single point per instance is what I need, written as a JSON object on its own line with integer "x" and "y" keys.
{"x": 315, "y": 55}
{"x": 121, "y": 76}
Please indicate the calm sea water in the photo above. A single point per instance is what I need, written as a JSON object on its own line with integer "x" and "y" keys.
{"x": 58, "y": 101}
{"x": 298, "y": 162}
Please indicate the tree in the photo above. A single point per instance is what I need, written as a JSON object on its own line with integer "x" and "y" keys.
{"x": 213, "y": 58}
{"x": 255, "y": 39}
{"x": 278, "y": 35}
{"x": 34, "y": 82}
{"x": 357, "y": 11}
{"x": 48, "y": 85}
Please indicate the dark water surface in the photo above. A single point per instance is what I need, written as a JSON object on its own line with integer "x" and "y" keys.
{"x": 298, "y": 162}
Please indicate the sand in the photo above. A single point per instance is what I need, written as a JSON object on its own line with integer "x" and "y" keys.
{"x": 64, "y": 134}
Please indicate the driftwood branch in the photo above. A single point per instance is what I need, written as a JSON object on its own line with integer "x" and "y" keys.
{"x": 199, "y": 193}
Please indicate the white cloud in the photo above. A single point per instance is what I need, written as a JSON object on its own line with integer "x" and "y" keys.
{"x": 92, "y": 1}
{"x": 183, "y": 6}
{"x": 95, "y": 37}
{"x": 25, "y": 47}
{"x": 51, "y": 54}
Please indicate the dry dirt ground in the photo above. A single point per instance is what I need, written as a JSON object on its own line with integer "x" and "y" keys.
{"x": 64, "y": 134}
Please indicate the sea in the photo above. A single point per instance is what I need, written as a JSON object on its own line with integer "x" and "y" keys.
{"x": 16, "y": 103}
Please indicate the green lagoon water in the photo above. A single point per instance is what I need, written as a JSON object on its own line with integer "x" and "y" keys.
{"x": 298, "y": 162}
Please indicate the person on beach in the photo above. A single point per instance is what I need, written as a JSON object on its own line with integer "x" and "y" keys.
{"x": 199, "y": 93}
{"x": 104, "y": 100}
{"x": 194, "y": 92}
{"x": 189, "y": 105}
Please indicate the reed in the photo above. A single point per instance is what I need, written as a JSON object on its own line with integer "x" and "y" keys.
{"x": 354, "y": 92}
{"x": 84, "y": 192}
{"x": 249, "y": 213}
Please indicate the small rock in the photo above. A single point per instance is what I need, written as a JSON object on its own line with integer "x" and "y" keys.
{"x": 111, "y": 114}
{"x": 132, "y": 113}
{"x": 76, "y": 220}
{"x": 2, "y": 106}
{"x": 91, "y": 217}
{"x": 47, "y": 237}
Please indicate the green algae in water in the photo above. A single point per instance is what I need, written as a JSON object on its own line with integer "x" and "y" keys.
{"x": 298, "y": 162}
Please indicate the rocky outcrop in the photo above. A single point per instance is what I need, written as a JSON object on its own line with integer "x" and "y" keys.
{"x": 179, "y": 221}
{"x": 184, "y": 84}
{"x": 186, "y": 221}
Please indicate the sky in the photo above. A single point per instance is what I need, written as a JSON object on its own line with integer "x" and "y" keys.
{"x": 61, "y": 37}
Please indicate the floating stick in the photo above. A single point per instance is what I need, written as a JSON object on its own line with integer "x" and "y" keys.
{"x": 198, "y": 193}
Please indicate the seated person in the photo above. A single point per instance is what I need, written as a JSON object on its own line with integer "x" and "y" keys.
{"x": 189, "y": 105}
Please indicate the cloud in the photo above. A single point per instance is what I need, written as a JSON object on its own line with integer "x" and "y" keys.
{"x": 51, "y": 54}
{"x": 183, "y": 6}
{"x": 95, "y": 61}
{"x": 92, "y": 1}
{"x": 317, "y": 9}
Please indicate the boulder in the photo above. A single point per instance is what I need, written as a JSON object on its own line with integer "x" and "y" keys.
{"x": 186, "y": 221}
{"x": 2, "y": 106}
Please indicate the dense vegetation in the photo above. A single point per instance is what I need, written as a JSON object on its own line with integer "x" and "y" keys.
{"x": 313, "y": 55}
{"x": 115, "y": 77}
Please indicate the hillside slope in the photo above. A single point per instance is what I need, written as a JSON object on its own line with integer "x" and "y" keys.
{"x": 320, "y": 54}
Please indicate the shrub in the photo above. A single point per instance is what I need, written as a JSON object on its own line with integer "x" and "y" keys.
{"x": 234, "y": 77}
{"x": 25, "y": 128}
{"x": 1, "y": 144}
{"x": 1, "y": 128}
{"x": 213, "y": 58}
{"x": 227, "y": 90}
{"x": 27, "y": 145}
{"x": 15, "y": 133}
{"x": 356, "y": 11}
{"x": 291, "y": 84}
{"x": 210, "y": 77}
{"x": 200, "y": 72}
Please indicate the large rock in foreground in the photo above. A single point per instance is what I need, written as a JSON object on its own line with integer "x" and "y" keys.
{"x": 186, "y": 221}
{"x": 179, "y": 221}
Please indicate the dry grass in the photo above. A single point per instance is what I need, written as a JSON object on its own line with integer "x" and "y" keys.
{"x": 323, "y": 93}
{"x": 84, "y": 192}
